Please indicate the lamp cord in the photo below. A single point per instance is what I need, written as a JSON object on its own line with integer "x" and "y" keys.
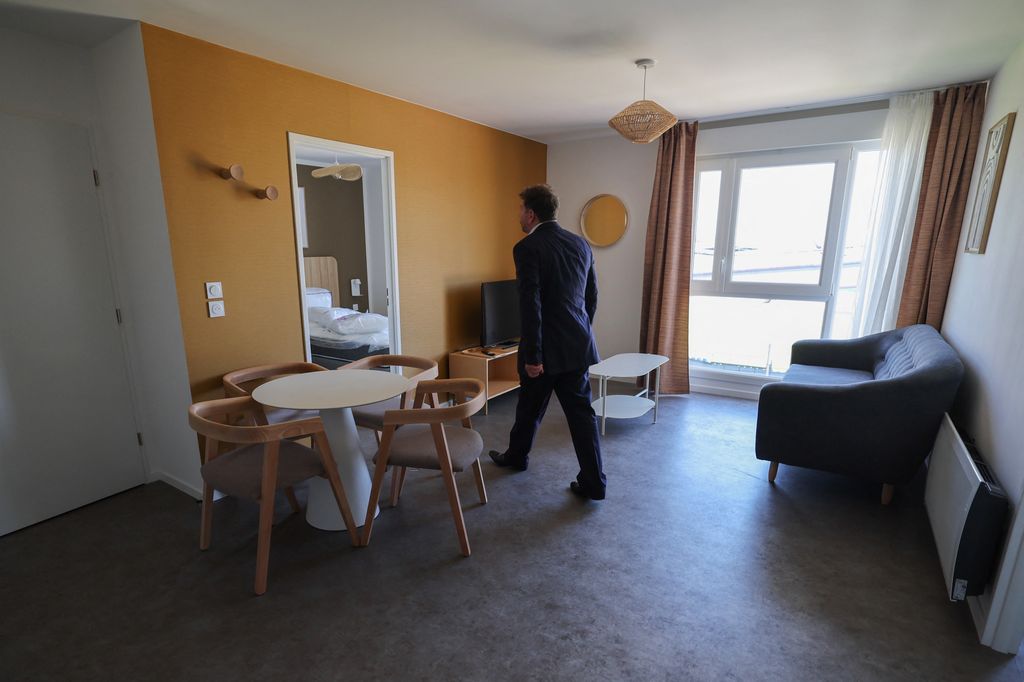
{"x": 645, "y": 83}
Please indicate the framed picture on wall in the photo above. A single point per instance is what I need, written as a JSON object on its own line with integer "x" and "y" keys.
{"x": 988, "y": 184}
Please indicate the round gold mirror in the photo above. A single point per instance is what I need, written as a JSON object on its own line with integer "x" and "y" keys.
{"x": 604, "y": 220}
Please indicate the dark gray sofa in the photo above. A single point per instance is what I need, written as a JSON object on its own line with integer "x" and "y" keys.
{"x": 867, "y": 407}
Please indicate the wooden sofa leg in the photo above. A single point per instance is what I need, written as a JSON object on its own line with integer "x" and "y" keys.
{"x": 773, "y": 471}
{"x": 887, "y": 493}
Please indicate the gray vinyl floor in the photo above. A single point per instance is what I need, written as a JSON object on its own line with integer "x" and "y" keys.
{"x": 692, "y": 568}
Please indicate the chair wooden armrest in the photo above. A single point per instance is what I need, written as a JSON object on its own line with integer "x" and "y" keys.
{"x": 234, "y": 382}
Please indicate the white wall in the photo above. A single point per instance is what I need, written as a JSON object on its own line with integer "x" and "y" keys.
{"x": 578, "y": 170}
{"x": 609, "y": 165}
{"x": 984, "y": 321}
{"x": 984, "y": 317}
{"x": 45, "y": 78}
{"x": 377, "y": 256}
{"x": 133, "y": 195}
{"x": 799, "y": 130}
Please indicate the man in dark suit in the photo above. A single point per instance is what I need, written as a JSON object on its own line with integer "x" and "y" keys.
{"x": 557, "y": 302}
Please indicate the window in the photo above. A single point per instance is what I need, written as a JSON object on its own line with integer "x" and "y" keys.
{"x": 858, "y": 222}
{"x": 777, "y": 242}
{"x": 705, "y": 223}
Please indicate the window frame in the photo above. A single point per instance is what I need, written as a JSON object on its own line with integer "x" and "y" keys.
{"x": 731, "y": 165}
{"x": 855, "y": 149}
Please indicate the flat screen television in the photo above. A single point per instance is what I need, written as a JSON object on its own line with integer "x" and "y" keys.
{"x": 499, "y": 313}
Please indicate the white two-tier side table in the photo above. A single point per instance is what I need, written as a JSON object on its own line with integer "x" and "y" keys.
{"x": 627, "y": 406}
{"x": 335, "y": 394}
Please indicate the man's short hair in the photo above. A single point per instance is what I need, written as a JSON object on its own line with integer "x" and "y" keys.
{"x": 541, "y": 200}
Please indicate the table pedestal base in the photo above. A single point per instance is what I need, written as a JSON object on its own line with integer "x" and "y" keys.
{"x": 321, "y": 508}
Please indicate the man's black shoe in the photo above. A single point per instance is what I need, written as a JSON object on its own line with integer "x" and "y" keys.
{"x": 579, "y": 491}
{"x": 503, "y": 460}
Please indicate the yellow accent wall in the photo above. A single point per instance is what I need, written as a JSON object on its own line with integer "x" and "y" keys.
{"x": 456, "y": 186}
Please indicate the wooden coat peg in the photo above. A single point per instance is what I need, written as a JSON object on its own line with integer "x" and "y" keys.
{"x": 232, "y": 172}
{"x": 268, "y": 192}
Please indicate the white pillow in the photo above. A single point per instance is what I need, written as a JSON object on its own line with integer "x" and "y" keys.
{"x": 360, "y": 323}
{"x": 325, "y": 315}
{"x": 319, "y": 298}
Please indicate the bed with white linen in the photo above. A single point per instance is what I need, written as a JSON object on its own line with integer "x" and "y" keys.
{"x": 340, "y": 335}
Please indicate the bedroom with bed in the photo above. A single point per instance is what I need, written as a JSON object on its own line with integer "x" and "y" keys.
{"x": 338, "y": 335}
{"x": 345, "y": 230}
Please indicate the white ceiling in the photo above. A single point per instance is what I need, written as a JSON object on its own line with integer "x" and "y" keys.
{"x": 556, "y": 69}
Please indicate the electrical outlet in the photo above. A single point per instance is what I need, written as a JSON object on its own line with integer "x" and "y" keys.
{"x": 355, "y": 306}
{"x": 216, "y": 308}
{"x": 214, "y": 290}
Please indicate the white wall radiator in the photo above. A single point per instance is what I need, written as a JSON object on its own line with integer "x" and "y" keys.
{"x": 968, "y": 510}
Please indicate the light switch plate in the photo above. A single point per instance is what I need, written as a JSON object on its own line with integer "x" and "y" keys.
{"x": 214, "y": 290}
{"x": 216, "y": 308}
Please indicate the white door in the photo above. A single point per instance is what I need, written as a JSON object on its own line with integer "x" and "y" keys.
{"x": 67, "y": 433}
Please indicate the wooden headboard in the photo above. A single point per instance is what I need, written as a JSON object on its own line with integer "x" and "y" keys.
{"x": 322, "y": 271}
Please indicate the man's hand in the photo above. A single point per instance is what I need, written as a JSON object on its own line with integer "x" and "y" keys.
{"x": 534, "y": 371}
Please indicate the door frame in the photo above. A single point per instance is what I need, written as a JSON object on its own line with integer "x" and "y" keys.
{"x": 386, "y": 161}
{"x": 115, "y": 265}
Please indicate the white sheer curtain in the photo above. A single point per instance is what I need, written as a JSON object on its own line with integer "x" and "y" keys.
{"x": 893, "y": 212}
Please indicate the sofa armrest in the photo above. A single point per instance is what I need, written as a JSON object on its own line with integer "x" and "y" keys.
{"x": 859, "y": 354}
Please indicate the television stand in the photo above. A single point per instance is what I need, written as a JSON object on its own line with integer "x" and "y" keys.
{"x": 495, "y": 367}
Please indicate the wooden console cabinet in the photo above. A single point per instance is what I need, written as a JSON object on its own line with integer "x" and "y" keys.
{"x": 498, "y": 372}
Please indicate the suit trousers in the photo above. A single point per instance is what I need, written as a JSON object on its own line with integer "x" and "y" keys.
{"x": 573, "y": 391}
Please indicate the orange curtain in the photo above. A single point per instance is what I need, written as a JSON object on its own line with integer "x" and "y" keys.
{"x": 948, "y": 165}
{"x": 665, "y": 309}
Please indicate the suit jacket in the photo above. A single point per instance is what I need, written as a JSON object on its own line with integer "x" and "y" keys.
{"x": 557, "y": 299}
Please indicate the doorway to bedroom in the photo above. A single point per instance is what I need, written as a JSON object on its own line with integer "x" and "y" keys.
{"x": 343, "y": 199}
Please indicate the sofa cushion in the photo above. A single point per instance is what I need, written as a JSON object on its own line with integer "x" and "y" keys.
{"x": 824, "y": 376}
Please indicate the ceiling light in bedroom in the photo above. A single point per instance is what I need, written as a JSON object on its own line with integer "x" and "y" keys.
{"x": 643, "y": 121}
{"x": 340, "y": 171}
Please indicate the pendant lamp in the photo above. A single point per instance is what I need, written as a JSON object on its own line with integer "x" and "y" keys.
{"x": 643, "y": 121}
{"x": 340, "y": 171}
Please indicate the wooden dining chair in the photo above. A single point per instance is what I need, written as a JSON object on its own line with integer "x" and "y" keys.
{"x": 425, "y": 441}
{"x": 372, "y": 416}
{"x": 242, "y": 382}
{"x": 264, "y": 461}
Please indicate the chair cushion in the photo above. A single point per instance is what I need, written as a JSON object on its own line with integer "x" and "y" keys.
{"x": 825, "y": 376}
{"x": 372, "y": 416}
{"x": 276, "y": 415}
{"x": 240, "y": 471}
{"x": 413, "y": 446}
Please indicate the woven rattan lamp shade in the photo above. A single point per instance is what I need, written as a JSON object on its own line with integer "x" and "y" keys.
{"x": 642, "y": 121}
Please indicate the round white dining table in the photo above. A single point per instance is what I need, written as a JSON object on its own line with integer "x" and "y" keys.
{"x": 334, "y": 394}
